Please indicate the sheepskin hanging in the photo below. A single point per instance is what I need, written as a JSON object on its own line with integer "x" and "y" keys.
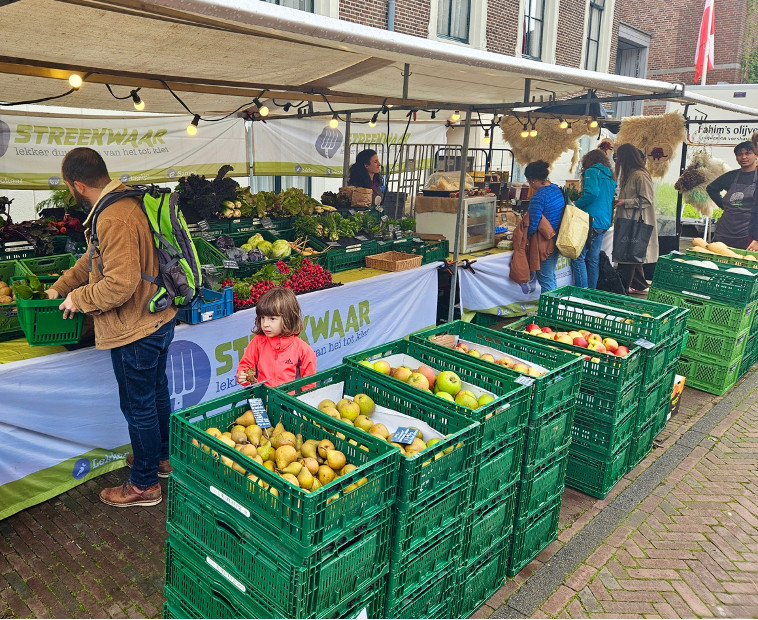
{"x": 701, "y": 171}
{"x": 548, "y": 145}
{"x": 656, "y": 136}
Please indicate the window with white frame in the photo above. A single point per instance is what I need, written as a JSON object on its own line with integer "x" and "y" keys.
{"x": 303, "y": 5}
{"x": 453, "y": 19}
{"x": 533, "y": 29}
{"x": 594, "y": 29}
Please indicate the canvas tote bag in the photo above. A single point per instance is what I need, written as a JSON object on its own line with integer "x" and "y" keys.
{"x": 574, "y": 231}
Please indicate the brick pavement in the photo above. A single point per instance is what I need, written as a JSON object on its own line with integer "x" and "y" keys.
{"x": 690, "y": 549}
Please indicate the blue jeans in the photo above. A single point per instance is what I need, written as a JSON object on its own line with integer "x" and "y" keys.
{"x": 585, "y": 268}
{"x": 546, "y": 274}
{"x": 140, "y": 369}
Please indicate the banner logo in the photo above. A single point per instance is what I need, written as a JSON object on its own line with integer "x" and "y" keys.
{"x": 329, "y": 142}
{"x": 81, "y": 468}
{"x": 189, "y": 374}
{"x": 5, "y": 137}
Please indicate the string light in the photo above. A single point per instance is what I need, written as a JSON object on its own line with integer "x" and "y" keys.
{"x": 75, "y": 80}
{"x": 139, "y": 105}
{"x": 334, "y": 122}
{"x": 564, "y": 124}
{"x": 434, "y": 114}
{"x": 372, "y": 122}
{"x": 533, "y": 131}
{"x": 286, "y": 107}
{"x": 486, "y": 139}
{"x": 192, "y": 127}
{"x": 592, "y": 123}
{"x": 525, "y": 132}
{"x": 568, "y": 129}
{"x": 456, "y": 116}
{"x": 262, "y": 109}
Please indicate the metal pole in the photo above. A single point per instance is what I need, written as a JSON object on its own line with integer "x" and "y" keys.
{"x": 346, "y": 158}
{"x": 250, "y": 153}
{"x": 679, "y": 206}
{"x": 406, "y": 76}
{"x": 459, "y": 219}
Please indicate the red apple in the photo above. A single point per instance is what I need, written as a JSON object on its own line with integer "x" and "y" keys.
{"x": 547, "y": 330}
{"x": 564, "y": 339}
{"x": 585, "y": 332}
{"x": 622, "y": 351}
{"x": 429, "y": 373}
{"x": 532, "y": 326}
{"x": 596, "y": 346}
{"x": 610, "y": 344}
{"x": 461, "y": 347}
{"x": 418, "y": 380}
{"x": 581, "y": 341}
{"x": 594, "y": 338}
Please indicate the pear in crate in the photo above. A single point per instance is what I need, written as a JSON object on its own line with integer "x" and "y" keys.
{"x": 246, "y": 419}
{"x": 284, "y": 456}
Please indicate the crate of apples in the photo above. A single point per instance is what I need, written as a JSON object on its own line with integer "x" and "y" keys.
{"x": 500, "y": 358}
{"x": 579, "y": 338}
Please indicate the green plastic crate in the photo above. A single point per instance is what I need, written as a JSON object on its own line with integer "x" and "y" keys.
{"x": 431, "y": 251}
{"x": 16, "y": 250}
{"x": 596, "y": 476}
{"x": 642, "y": 443}
{"x": 708, "y": 376}
{"x": 606, "y": 407}
{"x": 661, "y": 417}
{"x": 491, "y": 521}
{"x": 499, "y": 469}
{"x": 420, "y": 476}
{"x": 9, "y": 326}
{"x": 42, "y": 322}
{"x": 484, "y": 319}
{"x": 735, "y": 289}
{"x": 717, "y": 345}
{"x": 706, "y": 314}
{"x": 351, "y": 257}
{"x": 304, "y": 521}
{"x": 719, "y": 258}
{"x": 609, "y": 373}
{"x": 294, "y": 587}
{"x": 394, "y": 245}
{"x": 531, "y": 535}
{"x": 561, "y": 383}
{"x": 499, "y": 418}
{"x": 49, "y": 265}
{"x": 609, "y": 313}
{"x": 750, "y": 355}
{"x": 660, "y": 356}
{"x": 651, "y": 399}
{"x": 208, "y": 254}
{"x": 540, "y": 485}
{"x": 600, "y": 438}
{"x": 480, "y": 579}
{"x": 414, "y": 523}
{"x": 408, "y": 571}
{"x": 430, "y": 600}
{"x": 548, "y": 435}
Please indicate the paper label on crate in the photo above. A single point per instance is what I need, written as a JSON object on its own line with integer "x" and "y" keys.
{"x": 203, "y": 225}
{"x": 267, "y": 222}
{"x": 259, "y": 412}
{"x": 524, "y": 380}
{"x": 234, "y": 504}
{"x": 380, "y": 209}
{"x": 206, "y": 316}
{"x": 404, "y": 435}
{"x": 208, "y": 236}
{"x": 645, "y": 344}
{"x": 361, "y": 237}
{"x": 418, "y": 240}
{"x": 230, "y": 264}
{"x": 208, "y": 269}
{"x": 355, "y": 248}
{"x": 351, "y": 211}
{"x": 362, "y": 614}
{"x": 240, "y": 586}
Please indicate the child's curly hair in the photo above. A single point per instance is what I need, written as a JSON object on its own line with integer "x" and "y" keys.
{"x": 279, "y": 301}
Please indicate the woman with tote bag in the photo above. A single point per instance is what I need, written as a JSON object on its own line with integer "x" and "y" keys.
{"x": 635, "y": 218}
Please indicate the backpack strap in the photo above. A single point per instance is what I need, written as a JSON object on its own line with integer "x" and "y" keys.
{"x": 104, "y": 203}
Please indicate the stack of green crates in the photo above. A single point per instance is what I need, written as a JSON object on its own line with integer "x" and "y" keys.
{"x": 751, "y": 348}
{"x": 9, "y": 325}
{"x": 606, "y": 410}
{"x": 245, "y": 543}
{"x": 433, "y": 488}
{"x": 722, "y": 305}
{"x": 658, "y": 329}
{"x": 545, "y": 436}
{"x": 487, "y": 517}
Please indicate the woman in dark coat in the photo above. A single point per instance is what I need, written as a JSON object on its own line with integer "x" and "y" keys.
{"x": 365, "y": 173}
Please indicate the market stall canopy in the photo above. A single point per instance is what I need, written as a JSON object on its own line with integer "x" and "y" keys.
{"x": 219, "y": 54}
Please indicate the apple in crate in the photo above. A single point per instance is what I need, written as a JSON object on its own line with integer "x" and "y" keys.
{"x": 445, "y": 396}
{"x": 448, "y": 382}
{"x": 461, "y": 347}
{"x": 382, "y": 366}
{"x": 402, "y": 373}
{"x": 418, "y": 380}
{"x": 547, "y": 330}
{"x": 474, "y": 353}
{"x": 532, "y": 326}
{"x": 596, "y": 346}
{"x": 466, "y": 398}
{"x": 534, "y": 332}
{"x": 575, "y": 334}
{"x": 546, "y": 335}
{"x": 610, "y": 344}
{"x": 622, "y": 351}
{"x": 366, "y": 403}
{"x": 488, "y": 357}
{"x": 580, "y": 341}
{"x": 505, "y": 361}
{"x": 594, "y": 338}
{"x": 564, "y": 339}
{"x": 428, "y": 372}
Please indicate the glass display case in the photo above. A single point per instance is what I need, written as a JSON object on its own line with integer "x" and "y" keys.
{"x": 438, "y": 216}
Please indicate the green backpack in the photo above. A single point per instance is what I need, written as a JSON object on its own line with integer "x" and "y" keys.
{"x": 179, "y": 278}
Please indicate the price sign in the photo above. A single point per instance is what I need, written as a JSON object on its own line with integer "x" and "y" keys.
{"x": 418, "y": 240}
{"x": 259, "y": 412}
{"x": 208, "y": 269}
{"x": 405, "y": 435}
{"x": 645, "y": 344}
{"x": 230, "y": 264}
{"x": 351, "y": 211}
{"x": 208, "y": 236}
{"x": 361, "y": 237}
{"x": 380, "y": 209}
{"x": 203, "y": 225}
{"x": 524, "y": 380}
{"x": 267, "y": 222}
{"x": 384, "y": 218}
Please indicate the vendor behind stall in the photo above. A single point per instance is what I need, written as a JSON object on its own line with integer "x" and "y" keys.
{"x": 738, "y": 225}
{"x": 365, "y": 173}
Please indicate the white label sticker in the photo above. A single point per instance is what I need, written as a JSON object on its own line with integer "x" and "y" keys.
{"x": 234, "y": 504}
{"x": 523, "y": 380}
{"x": 363, "y": 614}
{"x": 206, "y": 316}
{"x": 645, "y": 344}
{"x": 241, "y": 587}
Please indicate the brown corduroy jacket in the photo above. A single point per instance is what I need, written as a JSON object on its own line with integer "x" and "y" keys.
{"x": 529, "y": 253}
{"x": 118, "y": 298}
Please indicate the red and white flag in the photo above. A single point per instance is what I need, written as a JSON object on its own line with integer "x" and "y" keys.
{"x": 704, "y": 52}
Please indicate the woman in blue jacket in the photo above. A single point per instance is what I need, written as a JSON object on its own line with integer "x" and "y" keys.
{"x": 598, "y": 189}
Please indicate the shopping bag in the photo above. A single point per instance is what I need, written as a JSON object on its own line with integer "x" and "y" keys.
{"x": 574, "y": 231}
{"x": 630, "y": 239}
{"x": 608, "y": 278}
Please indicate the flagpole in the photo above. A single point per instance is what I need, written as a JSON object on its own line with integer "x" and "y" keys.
{"x": 708, "y": 45}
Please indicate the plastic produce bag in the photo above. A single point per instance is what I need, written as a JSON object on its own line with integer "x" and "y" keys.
{"x": 447, "y": 181}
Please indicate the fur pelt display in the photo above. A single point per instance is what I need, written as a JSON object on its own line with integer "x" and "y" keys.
{"x": 701, "y": 171}
{"x": 656, "y": 136}
{"x": 550, "y": 142}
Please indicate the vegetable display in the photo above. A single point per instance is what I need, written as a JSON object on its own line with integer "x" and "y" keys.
{"x": 201, "y": 199}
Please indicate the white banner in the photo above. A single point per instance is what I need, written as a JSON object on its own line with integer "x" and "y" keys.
{"x": 720, "y": 134}
{"x": 309, "y": 147}
{"x": 136, "y": 150}
{"x": 488, "y": 286}
{"x": 73, "y": 429}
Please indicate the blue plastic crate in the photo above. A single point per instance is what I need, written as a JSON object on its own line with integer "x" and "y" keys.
{"x": 208, "y": 306}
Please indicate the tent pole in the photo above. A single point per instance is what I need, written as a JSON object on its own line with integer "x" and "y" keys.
{"x": 250, "y": 153}
{"x": 346, "y": 158}
{"x": 459, "y": 219}
{"x": 679, "y": 206}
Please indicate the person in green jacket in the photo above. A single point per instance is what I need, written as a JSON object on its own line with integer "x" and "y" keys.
{"x": 598, "y": 189}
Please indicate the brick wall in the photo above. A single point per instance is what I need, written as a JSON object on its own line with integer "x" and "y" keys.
{"x": 570, "y": 30}
{"x": 412, "y": 17}
{"x": 502, "y": 26}
{"x": 366, "y": 13}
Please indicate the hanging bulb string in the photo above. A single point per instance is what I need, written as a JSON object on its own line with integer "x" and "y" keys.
{"x": 9, "y": 104}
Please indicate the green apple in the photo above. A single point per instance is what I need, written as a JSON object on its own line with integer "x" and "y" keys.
{"x": 466, "y": 399}
{"x": 449, "y": 382}
{"x": 366, "y": 403}
{"x": 445, "y": 396}
{"x": 350, "y": 409}
{"x": 382, "y": 366}
{"x": 485, "y": 399}
{"x": 326, "y": 403}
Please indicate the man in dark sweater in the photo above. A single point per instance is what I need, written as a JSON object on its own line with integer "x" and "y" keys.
{"x": 738, "y": 226}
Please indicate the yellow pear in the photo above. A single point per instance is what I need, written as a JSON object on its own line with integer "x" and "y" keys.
{"x": 282, "y": 439}
{"x": 267, "y": 452}
{"x": 249, "y": 450}
{"x": 227, "y": 461}
{"x": 316, "y": 484}
{"x": 347, "y": 469}
{"x": 379, "y": 429}
{"x": 269, "y": 465}
{"x": 325, "y": 474}
{"x": 305, "y": 478}
{"x": 246, "y": 419}
{"x": 253, "y": 433}
{"x": 275, "y": 492}
{"x": 418, "y": 445}
{"x": 293, "y": 468}
{"x": 258, "y": 459}
{"x": 284, "y": 456}
{"x": 409, "y": 452}
{"x": 335, "y": 459}
{"x": 298, "y": 441}
{"x": 227, "y": 440}
{"x": 398, "y": 445}
{"x": 323, "y": 446}
{"x": 239, "y": 436}
{"x": 311, "y": 465}
{"x": 213, "y": 431}
{"x": 309, "y": 449}
{"x": 363, "y": 422}
{"x": 291, "y": 479}
{"x": 279, "y": 428}
{"x": 239, "y": 468}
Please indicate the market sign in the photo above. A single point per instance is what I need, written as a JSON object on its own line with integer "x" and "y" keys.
{"x": 720, "y": 134}
{"x": 136, "y": 150}
{"x": 309, "y": 147}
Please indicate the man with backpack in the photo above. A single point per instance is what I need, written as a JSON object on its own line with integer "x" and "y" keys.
{"x": 112, "y": 283}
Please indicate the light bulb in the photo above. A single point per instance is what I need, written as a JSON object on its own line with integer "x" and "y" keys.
{"x": 533, "y": 133}
{"x": 524, "y": 134}
{"x": 334, "y": 122}
{"x": 564, "y": 125}
{"x": 593, "y": 123}
{"x": 192, "y": 127}
{"x": 262, "y": 109}
{"x": 372, "y": 123}
{"x": 486, "y": 138}
{"x": 139, "y": 105}
{"x": 75, "y": 81}
{"x": 456, "y": 116}
{"x": 569, "y": 130}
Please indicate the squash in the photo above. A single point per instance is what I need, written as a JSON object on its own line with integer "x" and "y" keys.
{"x": 699, "y": 242}
{"x": 721, "y": 248}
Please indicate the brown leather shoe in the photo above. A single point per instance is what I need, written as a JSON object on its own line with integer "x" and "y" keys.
{"x": 164, "y": 467}
{"x": 129, "y": 495}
